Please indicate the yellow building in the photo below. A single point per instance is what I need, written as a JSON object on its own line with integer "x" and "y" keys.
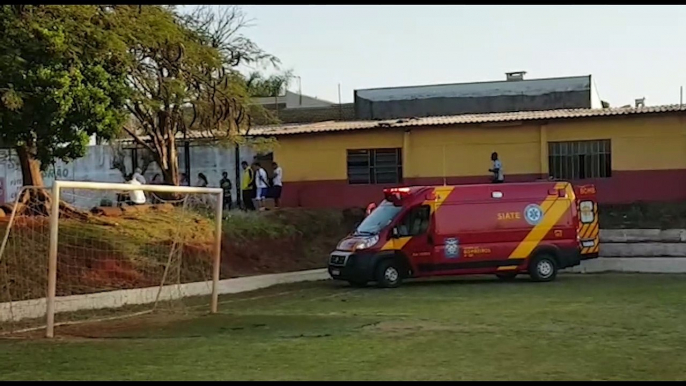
{"x": 630, "y": 154}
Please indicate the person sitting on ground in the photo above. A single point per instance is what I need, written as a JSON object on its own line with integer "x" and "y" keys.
{"x": 136, "y": 197}
{"x": 138, "y": 176}
{"x": 225, "y": 184}
{"x": 202, "y": 181}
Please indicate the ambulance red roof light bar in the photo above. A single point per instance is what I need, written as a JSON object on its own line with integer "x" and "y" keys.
{"x": 396, "y": 195}
{"x": 404, "y": 191}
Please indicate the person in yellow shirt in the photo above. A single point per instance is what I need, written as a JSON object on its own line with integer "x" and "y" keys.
{"x": 248, "y": 186}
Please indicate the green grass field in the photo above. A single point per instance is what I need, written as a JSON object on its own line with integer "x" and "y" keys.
{"x": 581, "y": 327}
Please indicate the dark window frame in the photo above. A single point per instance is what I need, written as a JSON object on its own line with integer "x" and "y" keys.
{"x": 374, "y": 166}
{"x": 580, "y": 160}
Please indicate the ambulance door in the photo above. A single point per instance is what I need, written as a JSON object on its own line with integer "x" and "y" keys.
{"x": 412, "y": 237}
{"x": 588, "y": 228}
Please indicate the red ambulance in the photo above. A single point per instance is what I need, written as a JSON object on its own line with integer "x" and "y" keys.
{"x": 534, "y": 228}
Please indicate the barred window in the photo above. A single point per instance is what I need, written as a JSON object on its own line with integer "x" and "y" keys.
{"x": 375, "y": 166}
{"x": 578, "y": 160}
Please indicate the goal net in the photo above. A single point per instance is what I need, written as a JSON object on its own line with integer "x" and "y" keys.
{"x": 107, "y": 251}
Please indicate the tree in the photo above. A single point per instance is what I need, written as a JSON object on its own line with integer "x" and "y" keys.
{"x": 62, "y": 81}
{"x": 272, "y": 86}
{"x": 184, "y": 79}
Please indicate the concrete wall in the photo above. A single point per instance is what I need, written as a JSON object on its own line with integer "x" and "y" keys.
{"x": 293, "y": 100}
{"x": 638, "y": 243}
{"x": 97, "y": 166}
{"x": 369, "y": 109}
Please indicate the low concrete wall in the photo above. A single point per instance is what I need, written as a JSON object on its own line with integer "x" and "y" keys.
{"x": 642, "y": 235}
{"x": 36, "y": 308}
{"x": 643, "y": 250}
{"x": 642, "y": 243}
{"x": 631, "y": 264}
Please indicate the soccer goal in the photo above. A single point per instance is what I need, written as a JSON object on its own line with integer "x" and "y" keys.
{"x": 107, "y": 251}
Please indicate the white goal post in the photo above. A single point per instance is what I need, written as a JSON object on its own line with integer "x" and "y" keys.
{"x": 59, "y": 186}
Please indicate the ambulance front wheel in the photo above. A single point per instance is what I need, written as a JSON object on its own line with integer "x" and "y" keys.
{"x": 387, "y": 274}
{"x": 543, "y": 268}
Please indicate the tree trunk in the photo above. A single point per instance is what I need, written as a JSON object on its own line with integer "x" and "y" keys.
{"x": 30, "y": 167}
{"x": 37, "y": 201}
{"x": 169, "y": 164}
{"x": 31, "y": 201}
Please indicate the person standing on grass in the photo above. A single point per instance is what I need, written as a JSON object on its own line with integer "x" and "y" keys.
{"x": 277, "y": 183}
{"x": 261, "y": 181}
{"x": 225, "y": 184}
{"x": 497, "y": 170}
{"x": 247, "y": 184}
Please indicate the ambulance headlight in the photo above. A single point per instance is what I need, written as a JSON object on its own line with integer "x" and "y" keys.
{"x": 366, "y": 243}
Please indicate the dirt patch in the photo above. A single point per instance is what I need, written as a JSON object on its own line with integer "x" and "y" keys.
{"x": 406, "y": 326}
{"x": 403, "y": 327}
{"x": 132, "y": 250}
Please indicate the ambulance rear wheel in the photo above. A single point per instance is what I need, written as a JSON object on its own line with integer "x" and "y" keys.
{"x": 387, "y": 274}
{"x": 543, "y": 268}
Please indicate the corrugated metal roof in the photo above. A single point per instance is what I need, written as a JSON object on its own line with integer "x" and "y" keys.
{"x": 334, "y": 126}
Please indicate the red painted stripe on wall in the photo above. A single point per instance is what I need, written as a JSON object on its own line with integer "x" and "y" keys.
{"x": 623, "y": 187}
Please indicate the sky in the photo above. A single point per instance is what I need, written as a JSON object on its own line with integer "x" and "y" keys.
{"x": 631, "y": 51}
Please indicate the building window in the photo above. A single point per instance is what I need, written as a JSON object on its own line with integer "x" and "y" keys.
{"x": 375, "y": 166}
{"x": 579, "y": 160}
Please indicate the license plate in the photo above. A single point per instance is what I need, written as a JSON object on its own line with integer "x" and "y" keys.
{"x": 335, "y": 272}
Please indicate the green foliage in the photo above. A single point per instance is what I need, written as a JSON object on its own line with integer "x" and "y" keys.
{"x": 62, "y": 79}
{"x": 272, "y": 86}
{"x": 68, "y": 72}
{"x": 184, "y": 77}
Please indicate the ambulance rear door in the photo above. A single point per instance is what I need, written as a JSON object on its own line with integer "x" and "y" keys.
{"x": 588, "y": 229}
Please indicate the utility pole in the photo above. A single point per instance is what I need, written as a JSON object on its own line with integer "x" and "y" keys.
{"x": 300, "y": 89}
{"x": 340, "y": 105}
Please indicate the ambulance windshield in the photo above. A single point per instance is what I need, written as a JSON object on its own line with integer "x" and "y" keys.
{"x": 380, "y": 218}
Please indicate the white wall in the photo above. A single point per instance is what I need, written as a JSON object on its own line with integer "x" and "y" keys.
{"x": 96, "y": 166}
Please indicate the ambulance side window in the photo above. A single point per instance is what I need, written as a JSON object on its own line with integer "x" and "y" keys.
{"x": 415, "y": 222}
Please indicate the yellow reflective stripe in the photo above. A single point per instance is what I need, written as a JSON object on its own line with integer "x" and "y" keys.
{"x": 553, "y": 211}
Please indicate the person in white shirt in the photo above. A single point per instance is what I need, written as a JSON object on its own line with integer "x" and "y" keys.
{"x": 497, "y": 170}
{"x": 136, "y": 197}
{"x": 261, "y": 182}
{"x": 138, "y": 176}
{"x": 277, "y": 183}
